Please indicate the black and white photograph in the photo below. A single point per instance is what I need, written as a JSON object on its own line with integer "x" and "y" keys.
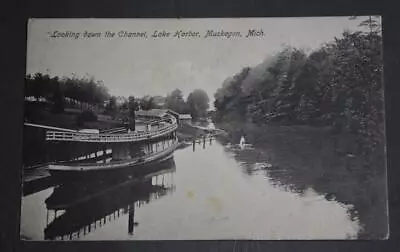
{"x": 204, "y": 129}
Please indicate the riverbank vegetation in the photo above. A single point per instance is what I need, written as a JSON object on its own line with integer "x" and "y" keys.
{"x": 318, "y": 118}
{"x": 337, "y": 85}
{"x": 49, "y": 98}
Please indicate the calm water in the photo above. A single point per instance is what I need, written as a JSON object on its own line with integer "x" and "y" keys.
{"x": 208, "y": 191}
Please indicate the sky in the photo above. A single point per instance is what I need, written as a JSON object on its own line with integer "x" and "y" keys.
{"x": 157, "y": 66}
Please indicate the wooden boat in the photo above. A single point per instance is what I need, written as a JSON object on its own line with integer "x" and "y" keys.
{"x": 135, "y": 165}
{"x": 75, "y": 193}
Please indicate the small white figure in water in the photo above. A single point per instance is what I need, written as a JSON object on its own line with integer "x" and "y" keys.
{"x": 242, "y": 142}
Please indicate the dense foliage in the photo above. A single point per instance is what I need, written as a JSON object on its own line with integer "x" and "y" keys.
{"x": 55, "y": 90}
{"x": 175, "y": 102}
{"x": 340, "y": 84}
{"x": 196, "y": 104}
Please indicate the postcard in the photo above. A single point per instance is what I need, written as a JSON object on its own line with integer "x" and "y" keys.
{"x": 204, "y": 129}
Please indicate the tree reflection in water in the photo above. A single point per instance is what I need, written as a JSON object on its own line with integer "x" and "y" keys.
{"x": 300, "y": 173}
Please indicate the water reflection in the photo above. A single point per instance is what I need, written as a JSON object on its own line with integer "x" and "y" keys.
{"x": 211, "y": 190}
{"x": 77, "y": 208}
{"x": 359, "y": 197}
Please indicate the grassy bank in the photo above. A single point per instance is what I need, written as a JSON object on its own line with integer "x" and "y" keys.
{"x": 66, "y": 119}
{"x": 312, "y": 157}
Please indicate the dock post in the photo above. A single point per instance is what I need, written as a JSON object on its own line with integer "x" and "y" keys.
{"x": 131, "y": 218}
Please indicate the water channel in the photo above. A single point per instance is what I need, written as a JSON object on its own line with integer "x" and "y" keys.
{"x": 210, "y": 189}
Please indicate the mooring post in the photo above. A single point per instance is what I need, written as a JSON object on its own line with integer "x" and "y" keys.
{"x": 131, "y": 218}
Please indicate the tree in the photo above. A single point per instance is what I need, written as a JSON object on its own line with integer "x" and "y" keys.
{"x": 339, "y": 84}
{"x": 147, "y": 103}
{"x": 372, "y": 23}
{"x": 38, "y": 85}
{"x": 198, "y": 103}
{"x": 132, "y": 107}
{"x": 175, "y": 101}
{"x": 111, "y": 107}
{"x": 230, "y": 98}
{"x": 58, "y": 99}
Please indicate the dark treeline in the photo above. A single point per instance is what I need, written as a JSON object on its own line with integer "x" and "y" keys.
{"x": 72, "y": 90}
{"x": 339, "y": 84}
{"x": 87, "y": 93}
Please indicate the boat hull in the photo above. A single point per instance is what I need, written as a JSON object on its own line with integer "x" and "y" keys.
{"x": 108, "y": 170}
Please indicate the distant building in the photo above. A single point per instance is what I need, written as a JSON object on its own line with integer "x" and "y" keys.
{"x": 185, "y": 119}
